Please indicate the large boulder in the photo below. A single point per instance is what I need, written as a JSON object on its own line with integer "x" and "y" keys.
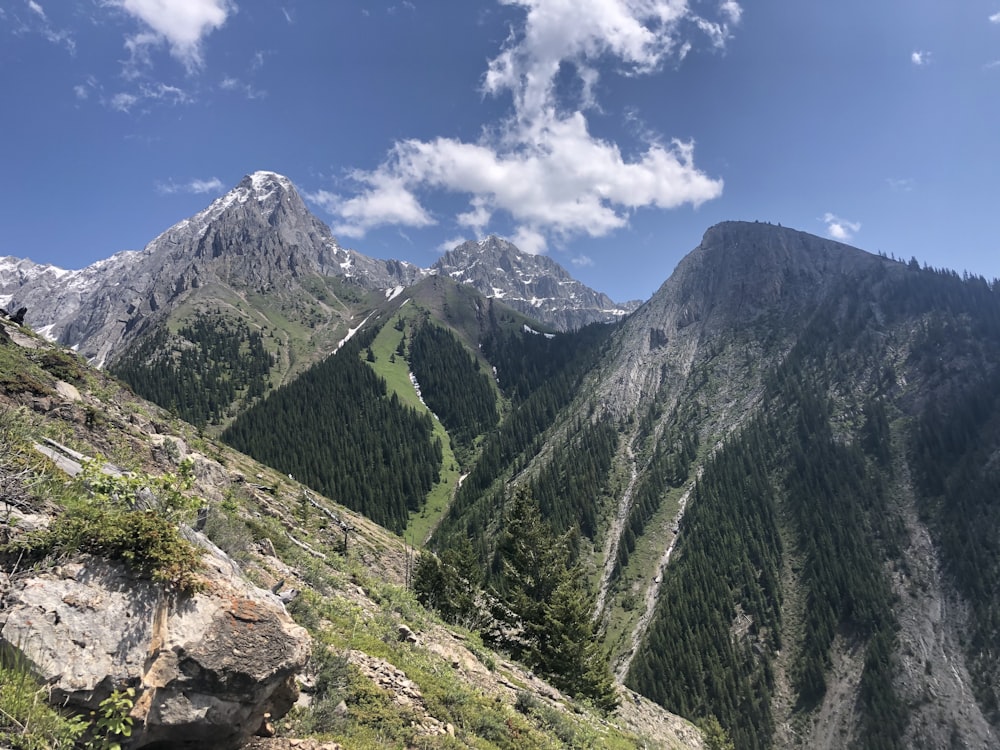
{"x": 206, "y": 668}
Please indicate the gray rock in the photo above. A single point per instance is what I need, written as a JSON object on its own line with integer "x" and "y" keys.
{"x": 258, "y": 238}
{"x": 206, "y": 668}
{"x": 532, "y": 284}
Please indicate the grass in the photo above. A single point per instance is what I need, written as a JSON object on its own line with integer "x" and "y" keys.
{"x": 396, "y": 372}
{"x": 27, "y": 721}
{"x": 374, "y": 720}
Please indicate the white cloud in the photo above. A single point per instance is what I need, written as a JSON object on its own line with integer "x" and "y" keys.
{"x": 247, "y": 90}
{"x": 840, "y": 229}
{"x": 918, "y": 58}
{"x": 732, "y": 11}
{"x": 125, "y": 101}
{"x": 36, "y": 8}
{"x": 196, "y": 186}
{"x": 541, "y": 165}
{"x": 529, "y": 240}
{"x": 899, "y": 184}
{"x": 565, "y": 182}
{"x": 213, "y": 185}
{"x": 478, "y": 218}
{"x": 181, "y": 24}
{"x": 639, "y": 34}
{"x": 388, "y": 201}
{"x": 582, "y": 260}
{"x": 451, "y": 244}
{"x": 995, "y": 18}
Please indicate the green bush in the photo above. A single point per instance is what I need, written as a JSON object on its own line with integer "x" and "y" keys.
{"x": 61, "y": 364}
{"x": 146, "y": 541}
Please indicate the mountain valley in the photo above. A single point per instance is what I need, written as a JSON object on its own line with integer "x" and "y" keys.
{"x": 765, "y": 500}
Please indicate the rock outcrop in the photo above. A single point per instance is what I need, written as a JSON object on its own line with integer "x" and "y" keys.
{"x": 534, "y": 285}
{"x": 206, "y": 668}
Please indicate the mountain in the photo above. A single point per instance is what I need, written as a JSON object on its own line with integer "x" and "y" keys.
{"x": 120, "y": 623}
{"x": 258, "y": 239}
{"x": 779, "y": 472}
{"x": 533, "y": 284}
{"x": 257, "y": 273}
{"x": 766, "y": 500}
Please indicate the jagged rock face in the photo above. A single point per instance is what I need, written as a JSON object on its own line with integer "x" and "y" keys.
{"x": 259, "y": 237}
{"x": 751, "y": 282}
{"x": 532, "y": 284}
{"x": 206, "y": 668}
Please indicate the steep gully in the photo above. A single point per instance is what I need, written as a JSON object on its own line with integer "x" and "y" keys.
{"x": 610, "y": 555}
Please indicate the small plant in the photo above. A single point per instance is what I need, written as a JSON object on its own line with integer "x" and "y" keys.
{"x": 131, "y": 518}
{"x": 62, "y": 364}
{"x": 229, "y": 533}
{"x": 146, "y": 541}
{"x": 165, "y": 494}
{"x": 27, "y": 721}
{"x": 112, "y": 721}
{"x": 17, "y": 475}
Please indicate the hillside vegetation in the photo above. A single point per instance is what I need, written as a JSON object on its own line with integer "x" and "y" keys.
{"x": 384, "y": 671}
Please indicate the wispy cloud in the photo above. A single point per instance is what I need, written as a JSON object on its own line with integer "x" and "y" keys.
{"x": 995, "y": 18}
{"x": 405, "y": 5}
{"x": 451, "y": 244}
{"x": 840, "y": 229}
{"x": 126, "y": 101}
{"x": 198, "y": 187}
{"x": 38, "y": 22}
{"x": 581, "y": 261}
{"x": 920, "y": 58}
{"x": 541, "y": 165}
{"x": 900, "y": 184}
{"x": 180, "y": 24}
{"x": 246, "y": 89}
{"x": 123, "y": 102}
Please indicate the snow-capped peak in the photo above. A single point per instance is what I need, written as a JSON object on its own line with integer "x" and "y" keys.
{"x": 264, "y": 184}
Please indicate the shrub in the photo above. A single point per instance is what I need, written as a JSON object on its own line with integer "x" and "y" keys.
{"x": 146, "y": 541}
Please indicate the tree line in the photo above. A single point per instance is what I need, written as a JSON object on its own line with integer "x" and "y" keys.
{"x": 336, "y": 429}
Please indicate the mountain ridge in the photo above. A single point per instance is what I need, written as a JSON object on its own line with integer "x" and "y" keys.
{"x": 256, "y": 237}
{"x": 778, "y": 448}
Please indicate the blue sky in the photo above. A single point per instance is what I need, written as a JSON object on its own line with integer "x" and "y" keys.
{"x": 607, "y": 133}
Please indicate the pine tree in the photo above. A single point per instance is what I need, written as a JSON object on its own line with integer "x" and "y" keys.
{"x": 548, "y": 595}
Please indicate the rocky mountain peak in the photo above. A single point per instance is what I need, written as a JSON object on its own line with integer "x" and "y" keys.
{"x": 742, "y": 268}
{"x": 533, "y": 284}
{"x": 742, "y": 275}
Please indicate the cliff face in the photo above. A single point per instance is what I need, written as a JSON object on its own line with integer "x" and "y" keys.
{"x": 751, "y": 282}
